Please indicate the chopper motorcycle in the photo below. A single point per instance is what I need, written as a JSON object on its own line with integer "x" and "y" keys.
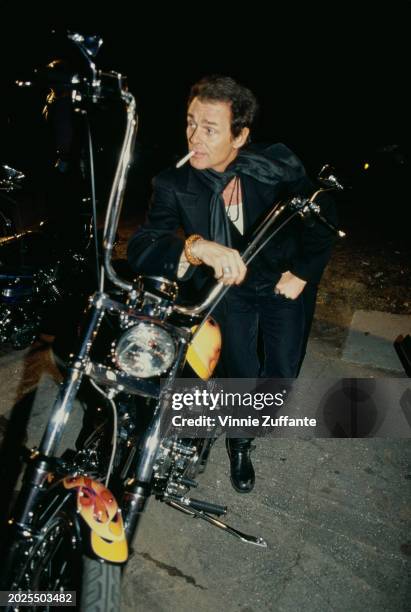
{"x": 72, "y": 526}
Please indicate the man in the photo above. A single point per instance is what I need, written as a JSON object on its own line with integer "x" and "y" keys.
{"x": 217, "y": 199}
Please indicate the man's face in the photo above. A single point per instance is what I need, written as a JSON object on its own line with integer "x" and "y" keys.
{"x": 209, "y": 135}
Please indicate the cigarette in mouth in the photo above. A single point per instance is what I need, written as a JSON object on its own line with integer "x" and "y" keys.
{"x": 184, "y": 159}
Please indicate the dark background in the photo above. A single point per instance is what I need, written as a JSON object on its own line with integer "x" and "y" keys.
{"x": 331, "y": 83}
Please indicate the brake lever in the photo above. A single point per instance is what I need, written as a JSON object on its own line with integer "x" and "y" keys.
{"x": 306, "y": 206}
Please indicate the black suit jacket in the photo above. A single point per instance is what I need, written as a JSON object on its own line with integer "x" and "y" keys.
{"x": 180, "y": 207}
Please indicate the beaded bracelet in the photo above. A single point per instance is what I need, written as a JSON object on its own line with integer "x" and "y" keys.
{"x": 192, "y": 259}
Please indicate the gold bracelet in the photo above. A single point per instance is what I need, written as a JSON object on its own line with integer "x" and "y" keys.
{"x": 192, "y": 259}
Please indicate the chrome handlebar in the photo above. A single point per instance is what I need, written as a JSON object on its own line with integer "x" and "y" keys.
{"x": 296, "y": 205}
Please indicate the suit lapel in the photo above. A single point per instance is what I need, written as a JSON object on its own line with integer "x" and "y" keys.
{"x": 194, "y": 199}
{"x": 195, "y": 204}
{"x": 257, "y": 197}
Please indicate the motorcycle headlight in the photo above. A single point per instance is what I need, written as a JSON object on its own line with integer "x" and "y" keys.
{"x": 145, "y": 350}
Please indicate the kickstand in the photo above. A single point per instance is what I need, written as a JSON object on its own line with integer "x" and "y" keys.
{"x": 244, "y": 537}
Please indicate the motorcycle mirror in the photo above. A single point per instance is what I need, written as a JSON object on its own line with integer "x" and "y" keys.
{"x": 88, "y": 45}
{"x": 328, "y": 178}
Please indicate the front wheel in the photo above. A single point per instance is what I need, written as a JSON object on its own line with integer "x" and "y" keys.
{"x": 100, "y": 588}
{"x": 52, "y": 560}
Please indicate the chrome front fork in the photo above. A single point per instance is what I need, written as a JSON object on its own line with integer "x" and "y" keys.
{"x": 41, "y": 461}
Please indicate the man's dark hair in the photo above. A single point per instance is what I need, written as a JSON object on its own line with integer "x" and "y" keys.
{"x": 225, "y": 89}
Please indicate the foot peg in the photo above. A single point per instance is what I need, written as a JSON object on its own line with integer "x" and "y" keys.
{"x": 199, "y": 505}
{"x": 188, "y": 482}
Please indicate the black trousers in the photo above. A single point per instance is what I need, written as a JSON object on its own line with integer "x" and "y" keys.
{"x": 249, "y": 310}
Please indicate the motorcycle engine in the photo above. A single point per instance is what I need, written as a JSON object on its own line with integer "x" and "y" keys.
{"x": 175, "y": 465}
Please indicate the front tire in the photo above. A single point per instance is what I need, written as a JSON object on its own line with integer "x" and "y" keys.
{"x": 52, "y": 560}
{"x": 100, "y": 590}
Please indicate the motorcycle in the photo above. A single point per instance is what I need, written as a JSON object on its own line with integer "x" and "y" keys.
{"x": 35, "y": 277}
{"x": 77, "y": 514}
{"x": 27, "y": 277}
{"x": 10, "y": 180}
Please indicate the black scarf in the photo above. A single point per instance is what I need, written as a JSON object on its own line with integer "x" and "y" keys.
{"x": 273, "y": 165}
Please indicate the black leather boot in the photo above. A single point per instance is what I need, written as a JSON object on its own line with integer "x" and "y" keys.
{"x": 242, "y": 471}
